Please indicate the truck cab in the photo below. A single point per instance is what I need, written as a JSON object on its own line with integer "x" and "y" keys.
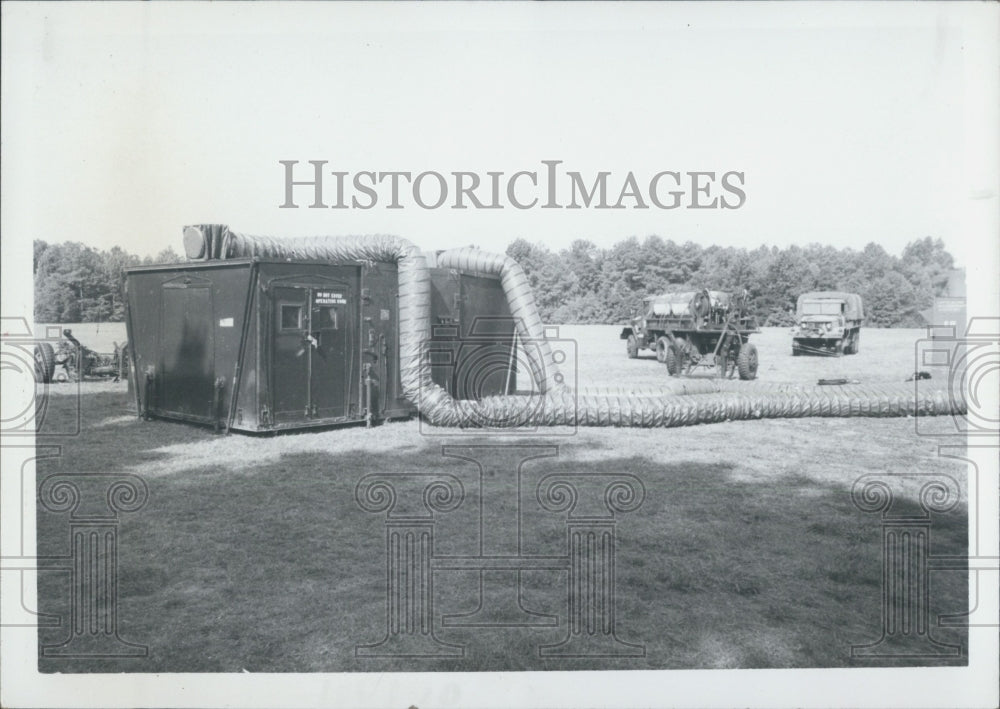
{"x": 827, "y": 323}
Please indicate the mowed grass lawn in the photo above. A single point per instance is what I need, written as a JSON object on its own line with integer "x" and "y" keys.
{"x": 252, "y": 553}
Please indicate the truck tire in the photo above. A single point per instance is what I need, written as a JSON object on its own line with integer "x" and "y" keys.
{"x": 45, "y": 362}
{"x": 632, "y": 347}
{"x": 662, "y": 346}
{"x": 673, "y": 360}
{"x": 852, "y": 344}
{"x": 746, "y": 362}
{"x": 678, "y": 356}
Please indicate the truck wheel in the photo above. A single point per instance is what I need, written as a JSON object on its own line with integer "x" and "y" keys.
{"x": 746, "y": 362}
{"x": 673, "y": 359}
{"x": 45, "y": 362}
{"x": 632, "y": 346}
{"x": 852, "y": 345}
{"x": 662, "y": 346}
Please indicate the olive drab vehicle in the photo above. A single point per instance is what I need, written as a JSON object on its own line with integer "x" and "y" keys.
{"x": 827, "y": 323}
{"x": 696, "y": 329}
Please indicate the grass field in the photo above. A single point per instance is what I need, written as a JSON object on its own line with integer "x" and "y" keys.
{"x": 253, "y": 554}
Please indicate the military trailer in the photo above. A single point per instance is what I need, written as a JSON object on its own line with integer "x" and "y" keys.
{"x": 696, "y": 329}
{"x": 827, "y": 323}
{"x": 266, "y": 345}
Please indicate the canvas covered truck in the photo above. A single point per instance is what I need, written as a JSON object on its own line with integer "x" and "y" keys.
{"x": 827, "y": 323}
{"x": 691, "y": 329}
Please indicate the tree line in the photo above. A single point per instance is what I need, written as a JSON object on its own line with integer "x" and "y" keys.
{"x": 587, "y": 284}
{"x": 77, "y": 283}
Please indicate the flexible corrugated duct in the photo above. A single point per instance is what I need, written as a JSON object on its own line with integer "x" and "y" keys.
{"x": 678, "y": 403}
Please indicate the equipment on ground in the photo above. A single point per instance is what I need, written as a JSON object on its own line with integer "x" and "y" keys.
{"x": 696, "y": 329}
{"x": 74, "y": 362}
{"x": 827, "y": 323}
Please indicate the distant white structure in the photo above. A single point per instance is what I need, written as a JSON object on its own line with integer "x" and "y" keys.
{"x": 947, "y": 317}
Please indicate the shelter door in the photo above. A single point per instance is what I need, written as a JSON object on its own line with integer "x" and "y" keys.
{"x": 311, "y": 363}
{"x": 187, "y": 350}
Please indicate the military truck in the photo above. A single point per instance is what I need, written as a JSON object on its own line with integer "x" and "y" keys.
{"x": 827, "y": 323}
{"x": 691, "y": 329}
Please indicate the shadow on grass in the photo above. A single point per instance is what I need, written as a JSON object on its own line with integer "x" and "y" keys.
{"x": 275, "y": 568}
{"x": 111, "y": 437}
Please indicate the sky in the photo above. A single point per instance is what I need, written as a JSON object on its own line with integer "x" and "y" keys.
{"x": 123, "y": 123}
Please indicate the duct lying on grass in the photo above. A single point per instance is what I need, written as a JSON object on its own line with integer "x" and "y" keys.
{"x": 678, "y": 404}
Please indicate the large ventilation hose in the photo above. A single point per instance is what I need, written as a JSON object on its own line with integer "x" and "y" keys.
{"x": 677, "y": 403}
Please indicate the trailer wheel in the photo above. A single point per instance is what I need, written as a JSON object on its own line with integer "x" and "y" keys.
{"x": 674, "y": 360}
{"x": 796, "y": 350}
{"x": 632, "y": 346}
{"x": 746, "y": 362}
{"x": 725, "y": 362}
{"x": 45, "y": 362}
{"x": 662, "y": 347}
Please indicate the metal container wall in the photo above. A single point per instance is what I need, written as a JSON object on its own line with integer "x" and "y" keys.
{"x": 260, "y": 345}
{"x": 185, "y": 326}
{"x": 473, "y": 347}
{"x": 286, "y": 338}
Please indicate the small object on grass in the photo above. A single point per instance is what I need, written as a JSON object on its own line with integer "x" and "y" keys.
{"x": 919, "y": 375}
{"x": 832, "y": 382}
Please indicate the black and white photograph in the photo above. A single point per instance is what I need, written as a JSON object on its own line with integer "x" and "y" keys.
{"x": 500, "y": 354}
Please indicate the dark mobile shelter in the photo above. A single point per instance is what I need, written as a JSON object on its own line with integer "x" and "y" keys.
{"x": 473, "y": 350}
{"x": 260, "y": 345}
